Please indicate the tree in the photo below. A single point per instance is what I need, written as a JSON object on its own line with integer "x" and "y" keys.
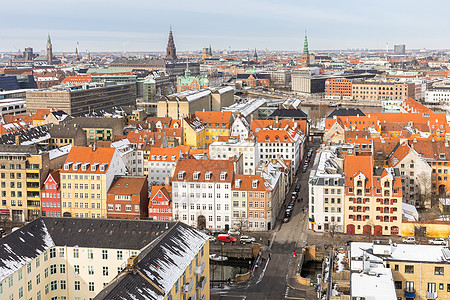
{"x": 424, "y": 195}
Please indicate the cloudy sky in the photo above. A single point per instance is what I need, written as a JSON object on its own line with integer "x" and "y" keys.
{"x": 142, "y": 25}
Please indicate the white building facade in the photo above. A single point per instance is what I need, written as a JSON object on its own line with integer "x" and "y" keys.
{"x": 235, "y": 148}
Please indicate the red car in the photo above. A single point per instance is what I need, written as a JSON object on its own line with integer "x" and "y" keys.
{"x": 226, "y": 238}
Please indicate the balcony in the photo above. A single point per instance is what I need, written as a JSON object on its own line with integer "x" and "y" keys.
{"x": 432, "y": 295}
{"x": 199, "y": 269}
{"x": 201, "y": 283}
{"x": 188, "y": 286}
{"x": 410, "y": 293}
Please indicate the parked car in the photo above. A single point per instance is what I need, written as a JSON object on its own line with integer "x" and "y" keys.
{"x": 286, "y": 219}
{"x": 226, "y": 238}
{"x": 217, "y": 257}
{"x": 234, "y": 231}
{"x": 216, "y": 232}
{"x": 247, "y": 239}
{"x": 409, "y": 240}
{"x": 437, "y": 241}
{"x": 212, "y": 239}
{"x": 297, "y": 188}
{"x": 294, "y": 195}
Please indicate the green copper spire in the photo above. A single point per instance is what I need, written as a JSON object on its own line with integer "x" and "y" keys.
{"x": 305, "y": 45}
{"x": 49, "y": 40}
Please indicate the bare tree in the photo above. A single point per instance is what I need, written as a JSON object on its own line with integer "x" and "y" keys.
{"x": 424, "y": 195}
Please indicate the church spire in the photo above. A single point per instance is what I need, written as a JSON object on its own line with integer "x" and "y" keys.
{"x": 49, "y": 50}
{"x": 49, "y": 40}
{"x": 305, "y": 45}
{"x": 171, "y": 51}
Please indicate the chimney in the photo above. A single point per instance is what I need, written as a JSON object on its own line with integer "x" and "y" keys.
{"x": 276, "y": 120}
{"x": 17, "y": 139}
{"x": 94, "y": 147}
{"x": 251, "y": 119}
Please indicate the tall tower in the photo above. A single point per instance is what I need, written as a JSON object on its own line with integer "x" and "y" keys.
{"x": 255, "y": 56}
{"x": 305, "y": 55}
{"x": 49, "y": 50}
{"x": 77, "y": 54}
{"x": 171, "y": 51}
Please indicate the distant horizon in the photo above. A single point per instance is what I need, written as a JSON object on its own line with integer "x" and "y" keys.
{"x": 115, "y": 26}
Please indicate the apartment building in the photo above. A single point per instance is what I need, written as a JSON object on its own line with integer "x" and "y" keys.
{"x": 62, "y": 135}
{"x": 326, "y": 192}
{"x": 216, "y": 124}
{"x": 129, "y": 154}
{"x": 194, "y": 132}
{"x": 160, "y": 203}
{"x": 98, "y": 129}
{"x": 415, "y": 173}
{"x": 373, "y": 198}
{"x": 128, "y": 198}
{"x": 23, "y": 169}
{"x": 284, "y": 143}
{"x": 438, "y": 95}
{"x": 86, "y": 177}
{"x": 51, "y": 195}
{"x": 235, "y": 148}
{"x": 240, "y": 128}
{"x": 380, "y": 91}
{"x": 161, "y": 164}
{"x": 252, "y": 203}
{"x": 202, "y": 193}
{"x": 59, "y": 258}
{"x": 417, "y": 271}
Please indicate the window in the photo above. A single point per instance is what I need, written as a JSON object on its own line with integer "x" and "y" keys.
{"x": 119, "y": 255}
{"x": 438, "y": 270}
{"x": 54, "y": 285}
{"x": 398, "y": 285}
{"x": 38, "y": 279}
{"x": 409, "y": 269}
{"x": 62, "y": 268}
{"x": 52, "y": 269}
{"x": 396, "y": 268}
{"x": 62, "y": 284}
{"x": 431, "y": 287}
{"x": 91, "y": 270}
{"x": 105, "y": 271}
{"x": 76, "y": 253}
{"x": 91, "y": 286}
{"x": 61, "y": 252}
{"x": 90, "y": 254}
{"x": 29, "y": 285}
{"x": 77, "y": 285}
{"x": 105, "y": 254}
{"x": 28, "y": 268}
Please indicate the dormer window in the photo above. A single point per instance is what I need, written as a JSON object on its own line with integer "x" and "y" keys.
{"x": 94, "y": 167}
{"x": 441, "y": 155}
{"x": 67, "y": 166}
{"x": 285, "y": 138}
{"x": 174, "y": 157}
{"x": 255, "y": 183}
{"x": 237, "y": 183}
{"x": 181, "y": 174}
{"x": 76, "y": 166}
{"x": 267, "y": 137}
{"x": 85, "y": 166}
{"x": 223, "y": 175}
{"x": 208, "y": 175}
{"x": 153, "y": 157}
{"x": 103, "y": 167}
{"x": 164, "y": 157}
{"x": 196, "y": 175}
{"x": 158, "y": 157}
{"x": 277, "y": 138}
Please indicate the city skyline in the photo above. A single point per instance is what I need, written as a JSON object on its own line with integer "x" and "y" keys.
{"x": 112, "y": 26}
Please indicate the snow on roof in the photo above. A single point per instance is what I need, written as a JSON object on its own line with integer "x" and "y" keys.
{"x": 246, "y": 108}
{"x": 55, "y": 153}
{"x": 225, "y": 89}
{"x": 379, "y": 285}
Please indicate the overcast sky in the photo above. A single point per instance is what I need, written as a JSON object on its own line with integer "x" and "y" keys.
{"x": 143, "y": 25}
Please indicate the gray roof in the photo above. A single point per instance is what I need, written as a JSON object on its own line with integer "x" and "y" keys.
{"x": 162, "y": 263}
{"x": 86, "y": 122}
{"x": 27, "y": 136}
{"x": 63, "y": 131}
{"x": 12, "y": 149}
{"x": 346, "y": 112}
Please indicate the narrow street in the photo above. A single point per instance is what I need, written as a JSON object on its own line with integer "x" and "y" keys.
{"x": 275, "y": 278}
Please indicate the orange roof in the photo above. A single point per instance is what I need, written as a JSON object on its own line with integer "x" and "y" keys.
{"x": 128, "y": 185}
{"x": 358, "y": 164}
{"x": 398, "y": 154}
{"x": 165, "y": 190}
{"x": 216, "y": 167}
{"x": 76, "y": 79}
{"x": 259, "y": 124}
{"x": 210, "y": 118}
{"x": 276, "y": 136}
{"x": 40, "y": 114}
{"x": 146, "y": 139}
{"x": 84, "y": 155}
{"x": 164, "y": 154}
{"x": 245, "y": 183}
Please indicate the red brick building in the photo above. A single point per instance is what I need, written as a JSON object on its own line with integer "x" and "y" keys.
{"x": 128, "y": 198}
{"x": 338, "y": 89}
{"x": 51, "y": 196}
{"x": 254, "y": 80}
{"x": 160, "y": 204}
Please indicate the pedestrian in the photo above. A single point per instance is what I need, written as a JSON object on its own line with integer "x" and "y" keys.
{"x": 268, "y": 243}
{"x": 270, "y": 255}
{"x": 295, "y": 253}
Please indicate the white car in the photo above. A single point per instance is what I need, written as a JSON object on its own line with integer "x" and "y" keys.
{"x": 437, "y": 241}
{"x": 233, "y": 231}
{"x": 247, "y": 239}
{"x": 217, "y": 257}
{"x": 409, "y": 240}
{"x": 212, "y": 239}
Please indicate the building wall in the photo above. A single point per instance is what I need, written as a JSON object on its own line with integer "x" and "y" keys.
{"x": 218, "y": 100}
{"x": 239, "y": 213}
{"x": 433, "y": 229}
{"x": 51, "y": 199}
{"x": 338, "y": 88}
{"x": 423, "y": 274}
